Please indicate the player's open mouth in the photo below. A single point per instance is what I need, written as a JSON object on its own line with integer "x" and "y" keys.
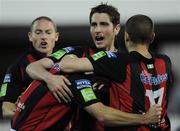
{"x": 99, "y": 38}
{"x": 43, "y": 44}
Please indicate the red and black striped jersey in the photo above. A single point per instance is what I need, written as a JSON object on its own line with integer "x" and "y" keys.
{"x": 137, "y": 83}
{"x": 39, "y": 110}
{"x": 81, "y": 119}
{"x": 16, "y": 79}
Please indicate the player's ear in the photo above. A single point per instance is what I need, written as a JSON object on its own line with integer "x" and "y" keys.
{"x": 152, "y": 37}
{"x": 30, "y": 36}
{"x": 126, "y": 37}
{"x": 117, "y": 29}
{"x": 57, "y": 36}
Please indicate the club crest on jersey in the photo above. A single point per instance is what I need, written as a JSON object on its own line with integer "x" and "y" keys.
{"x": 147, "y": 78}
{"x": 150, "y": 66}
{"x": 82, "y": 83}
{"x": 7, "y": 78}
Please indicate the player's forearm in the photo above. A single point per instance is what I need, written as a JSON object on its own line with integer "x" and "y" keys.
{"x": 38, "y": 71}
{"x": 8, "y": 110}
{"x": 116, "y": 117}
{"x": 113, "y": 117}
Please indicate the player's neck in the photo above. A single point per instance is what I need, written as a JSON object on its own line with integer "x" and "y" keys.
{"x": 141, "y": 49}
{"x": 112, "y": 48}
{"x": 49, "y": 53}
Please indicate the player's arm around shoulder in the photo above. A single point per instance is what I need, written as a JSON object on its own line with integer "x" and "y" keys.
{"x": 37, "y": 69}
{"x": 57, "y": 84}
{"x": 71, "y": 63}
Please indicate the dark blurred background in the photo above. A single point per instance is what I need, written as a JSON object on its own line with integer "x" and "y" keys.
{"x": 14, "y": 40}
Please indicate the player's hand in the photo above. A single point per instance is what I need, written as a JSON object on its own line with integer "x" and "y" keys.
{"x": 98, "y": 86}
{"x": 58, "y": 85}
{"x": 100, "y": 83}
{"x": 153, "y": 115}
{"x": 8, "y": 109}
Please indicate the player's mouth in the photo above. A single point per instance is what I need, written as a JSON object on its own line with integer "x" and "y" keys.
{"x": 43, "y": 44}
{"x": 99, "y": 39}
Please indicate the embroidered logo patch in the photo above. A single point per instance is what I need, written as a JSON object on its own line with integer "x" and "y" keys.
{"x": 20, "y": 107}
{"x": 68, "y": 49}
{"x": 3, "y": 90}
{"x": 147, "y": 78}
{"x": 82, "y": 83}
{"x": 7, "y": 78}
{"x": 88, "y": 94}
{"x": 111, "y": 54}
{"x": 150, "y": 66}
{"x": 60, "y": 53}
{"x": 98, "y": 55}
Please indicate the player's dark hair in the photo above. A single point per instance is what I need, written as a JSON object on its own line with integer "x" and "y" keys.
{"x": 43, "y": 18}
{"x": 108, "y": 9}
{"x": 140, "y": 28}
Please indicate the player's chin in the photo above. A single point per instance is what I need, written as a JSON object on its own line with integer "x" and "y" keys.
{"x": 44, "y": 50}
{"x": 100, "y": 46}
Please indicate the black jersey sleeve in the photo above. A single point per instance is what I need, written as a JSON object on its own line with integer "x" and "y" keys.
{"x": 11, "y": 86}
{"x": 109, "y": 64}
{"x": 82, "y": 89}
{"x": 8, "y": 89}
{"x": 169, "y": 70}
{"x": 16, "y": 79}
